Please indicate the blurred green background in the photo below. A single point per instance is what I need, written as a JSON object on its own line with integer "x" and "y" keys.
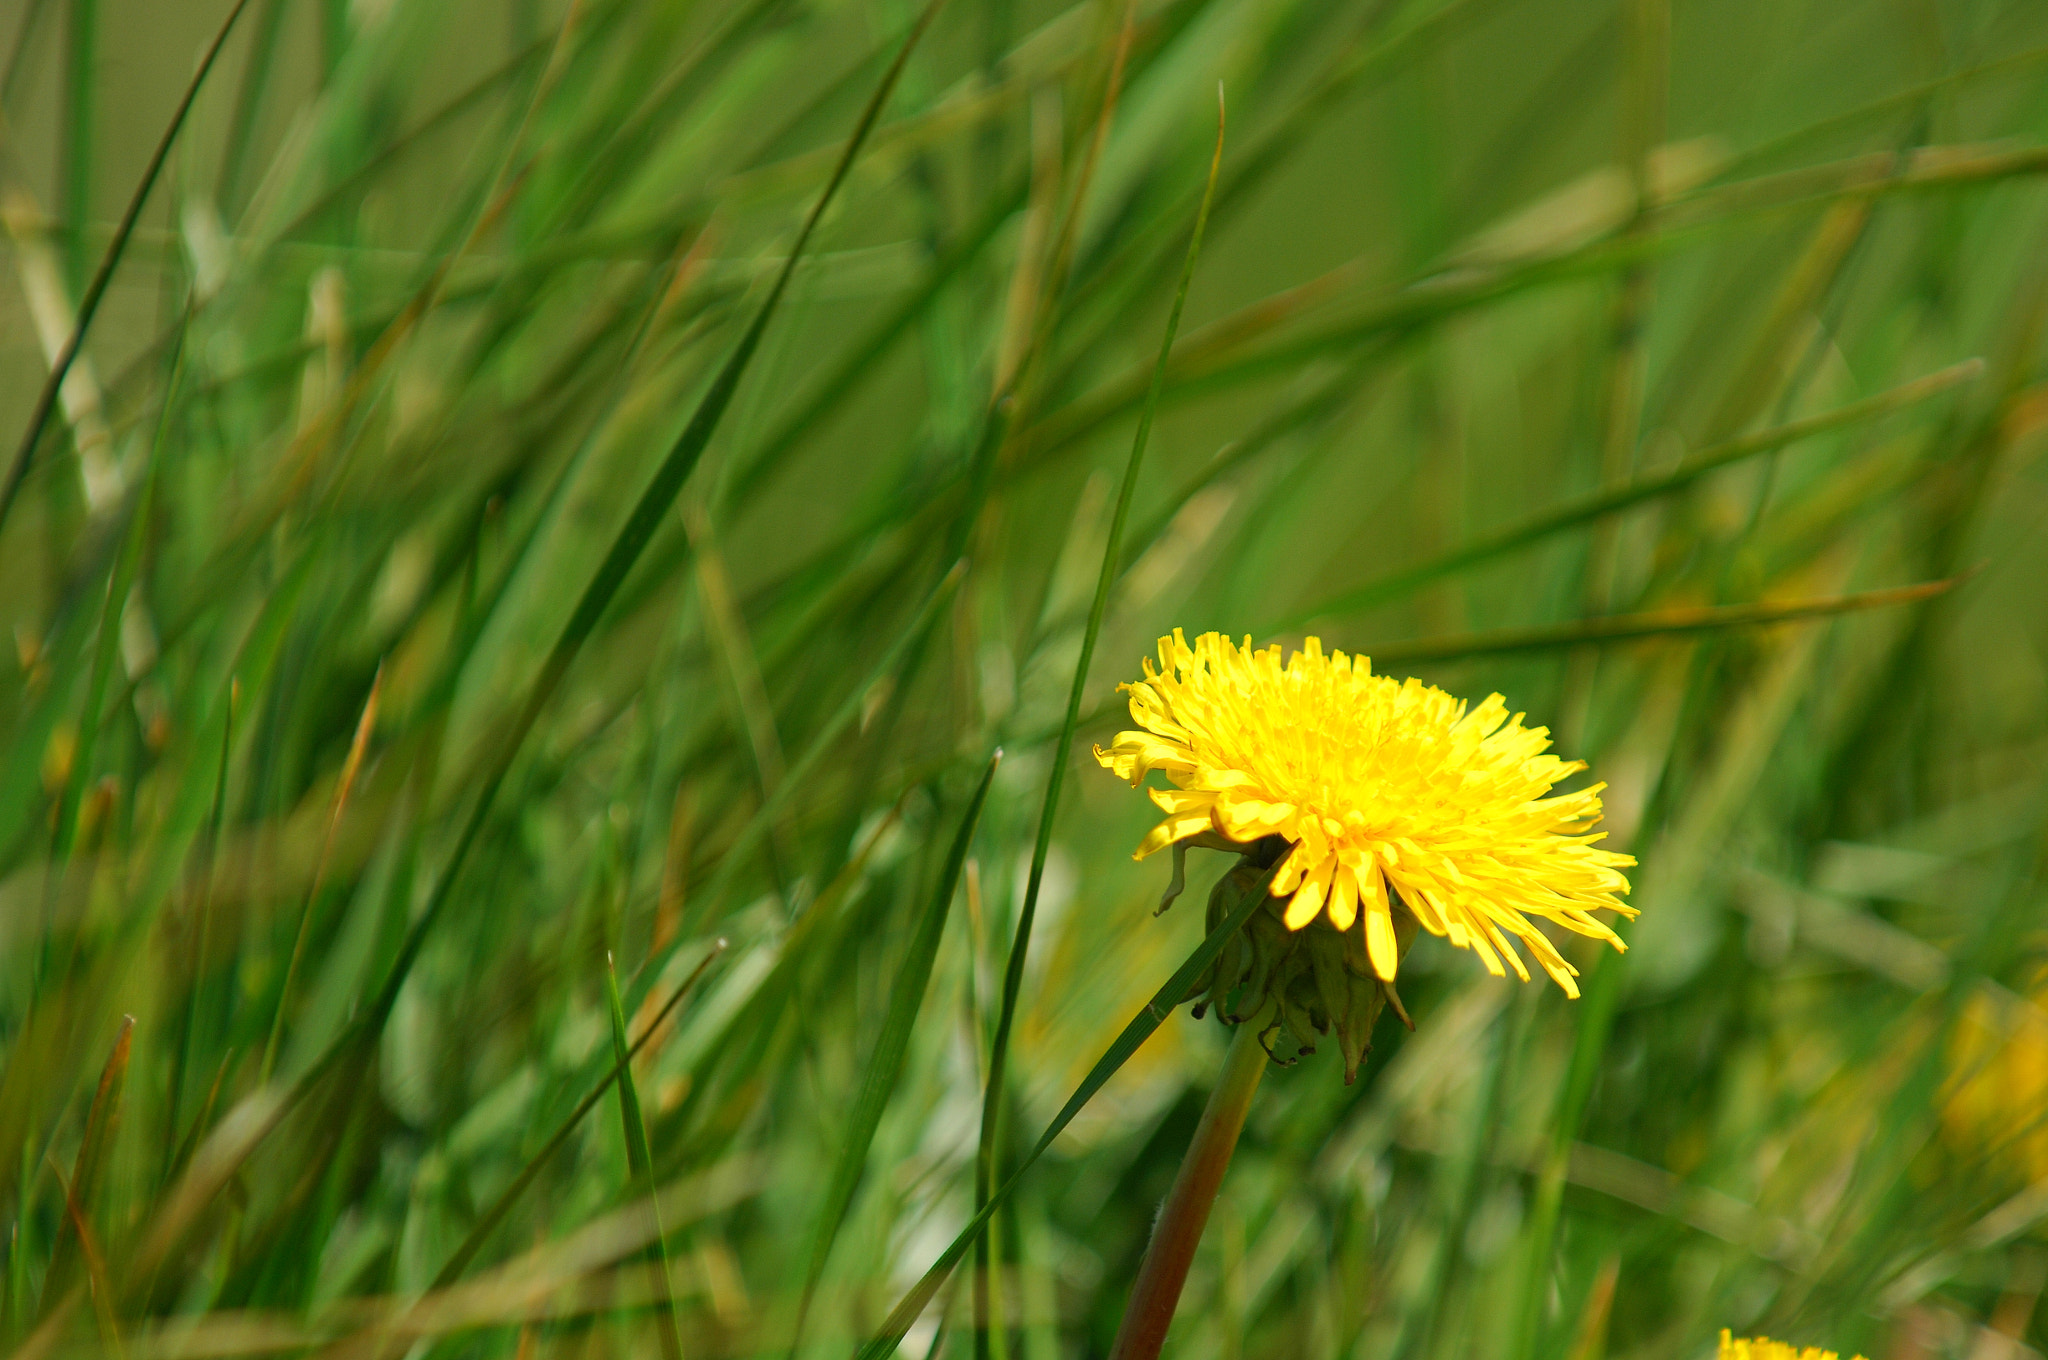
{"x": 1547, "y": 348}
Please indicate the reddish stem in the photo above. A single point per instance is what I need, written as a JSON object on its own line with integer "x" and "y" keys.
{"x": 1186, "y": 1211}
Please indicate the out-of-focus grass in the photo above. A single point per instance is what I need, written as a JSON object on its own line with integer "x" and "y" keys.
{"x": 1547, "y": 347}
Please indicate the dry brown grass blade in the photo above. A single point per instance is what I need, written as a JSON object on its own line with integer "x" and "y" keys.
{"x": 102, "y": 1121}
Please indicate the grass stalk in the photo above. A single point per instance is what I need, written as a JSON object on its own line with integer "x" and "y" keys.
{"x": 1020, "y": 945}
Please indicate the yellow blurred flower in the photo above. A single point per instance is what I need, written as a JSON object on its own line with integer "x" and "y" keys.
{"x": 1389, "y": 793}
{"x": 1761, "y": 1348}
{"x": 1998, "y": 1065}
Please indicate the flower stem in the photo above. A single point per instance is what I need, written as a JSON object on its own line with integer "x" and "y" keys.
{"x": 1181, "y": 1218}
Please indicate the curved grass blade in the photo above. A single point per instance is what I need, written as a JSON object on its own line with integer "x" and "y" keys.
{"x": 639, "y": 1165}
{"x": 1655, "y": 623}
{"x": 96, "y": 290}
{"x": 885, "y": 1064}
{"x": 883, "y": 1344}
{"x": 1599, "y": 504}
{"x": 1112, "y": 552}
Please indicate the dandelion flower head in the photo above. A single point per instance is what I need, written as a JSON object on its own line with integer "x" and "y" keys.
{"x": 1760, "y": 1348}
{"x": 1378, "y": 785}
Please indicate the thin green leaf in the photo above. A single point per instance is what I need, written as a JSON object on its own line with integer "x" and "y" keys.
{"x": 639, "y": 1165}
{"x": 892, "y": 1047}
{"x": 89, "y": 305}
{"x": 1599, "y": 504}
{"x": 633, "y": 537}
{"x": 488, "y": 1223}
{"x": 1134, "y": 1034}
{"x": 1112, "y": 553}
{"x": 201, "y": 928}
{"x": 1655, "y": 623}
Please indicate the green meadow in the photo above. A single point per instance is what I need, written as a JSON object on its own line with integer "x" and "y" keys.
{"x": 525, "y": 525}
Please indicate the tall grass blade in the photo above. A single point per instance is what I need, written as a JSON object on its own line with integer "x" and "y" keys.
{"x": 1013, "y": 969}
{"x": 632, "y": 539}
{"x": 249, "y": 103}
{"x": 201, "y": 928}
{"x": 892, "y": 1047}
{"x": 89, "y": 304}
{"x": 343, "y": 787}
{"x": 640, "y": 1166}
{"x": 883, "y": 1344}
{"x": 824, "y": 743}
{"x": 81, "y": 106}
{"x": 490, "y": 1220}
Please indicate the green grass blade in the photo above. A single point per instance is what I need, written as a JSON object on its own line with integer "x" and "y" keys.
{"x": 342, "y": 789}
{"x": 202, "y": 931}
{"x": 870, "y": 350}
{"x": 502, "y": 1206}
{"x": 248, "y": 103}
{"x": 883, "y": 1344}
{"x": 1600, "y": 504}
{"x": 639, "y": 1165}
{"x": 89, "y": 305}
{"x": 81, "y": 91}
{"x": 106, "y": 653}
{"x": 1673, "y": 622}
{"x": 824, "y": 744}
{"x": 653, "y": 506}
{"x": 892, "y": 1047}
{"x": 1020, "y": 945}
{"x": 31, "y": 17}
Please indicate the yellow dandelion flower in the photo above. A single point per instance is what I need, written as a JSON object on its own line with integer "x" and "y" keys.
{"x": 1762, "y": 1348}
{"x": 1390, "y": 793}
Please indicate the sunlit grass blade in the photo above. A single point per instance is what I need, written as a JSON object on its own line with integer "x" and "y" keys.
{"x": 89, "y": 304}
{"x": 639, "y": 1165}
{"x": 892, "y": 1047}
{"x": 1586, "y": 509}
{"x": 1140, "y": 1028}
